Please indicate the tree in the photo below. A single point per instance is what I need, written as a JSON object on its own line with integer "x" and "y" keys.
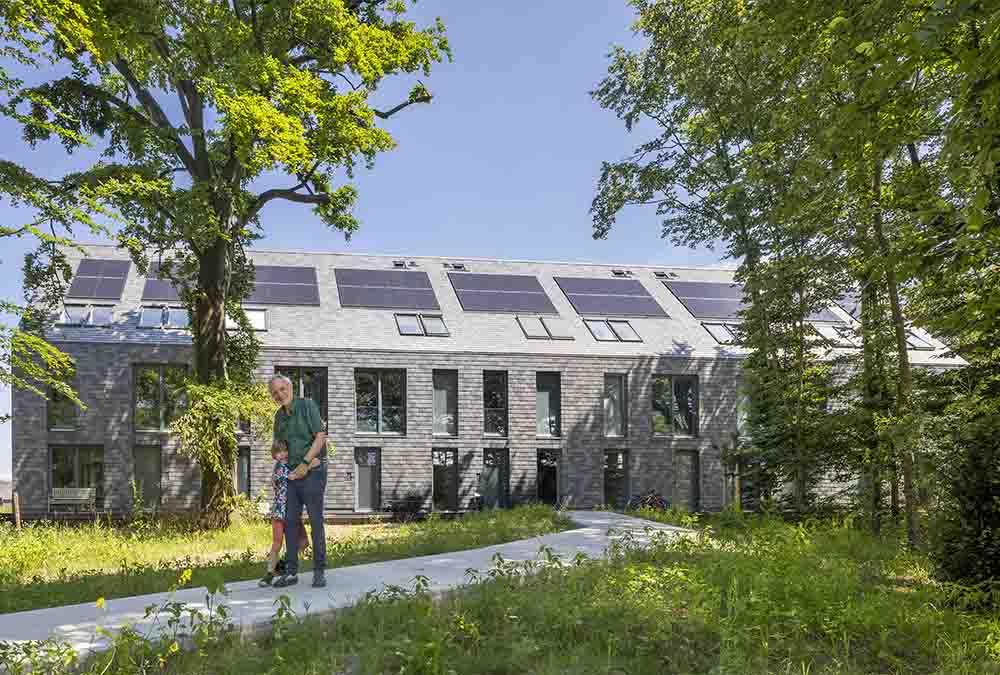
{"x": 27, "y": 360}
{"x": 199, "y": 104}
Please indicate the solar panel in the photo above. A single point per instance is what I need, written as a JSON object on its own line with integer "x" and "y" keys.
{"x": 99, "y": 279}
{"x": 705, "y": 289}
{"x": 386, "y": 278}
{"x": 609, "y": 297}
{"x": 385, "y": 289}
{"x": 278, "y": 285}
{"x": 158, "y": 288}
{"x": 500, "y": 293}
{"x": 722, "y": 300}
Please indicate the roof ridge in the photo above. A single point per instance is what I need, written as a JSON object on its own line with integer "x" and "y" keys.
{"x": 443, "y": 258}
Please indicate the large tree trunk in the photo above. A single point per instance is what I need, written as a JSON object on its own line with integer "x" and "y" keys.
{"x": 873, "y": 388}
{"x": 904, "y": 381}
{"x": 210, "y": 367}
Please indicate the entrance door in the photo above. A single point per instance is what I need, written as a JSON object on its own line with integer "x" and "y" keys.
{"x": 548, "y": 476}
{"x": 686, "y": 488}
{"x": 445, "y": 479}
{"x": 367, "y": 479}
{"x": 616, "y": 478}
{"x": 494, "y": 482}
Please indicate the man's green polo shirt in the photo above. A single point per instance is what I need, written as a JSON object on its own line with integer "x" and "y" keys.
{"x": 298, "y": 429}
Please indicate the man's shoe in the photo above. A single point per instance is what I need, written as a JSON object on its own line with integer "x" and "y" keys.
{"x": 286, "y": 580}
{"x": 319, "y": 579}
{"x": 266, "y": 581}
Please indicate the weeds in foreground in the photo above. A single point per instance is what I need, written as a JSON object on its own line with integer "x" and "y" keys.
{"x": 48, "y": 565}
{"x": 761, "y": 597}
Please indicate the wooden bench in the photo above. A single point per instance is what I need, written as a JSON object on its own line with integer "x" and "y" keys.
{"x": 76, "y": 497}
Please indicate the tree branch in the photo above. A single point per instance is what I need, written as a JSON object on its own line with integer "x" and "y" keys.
{"x": 157, "y": 116}
{"x": 426, "y": 98}
{"x": 288, "y": 195}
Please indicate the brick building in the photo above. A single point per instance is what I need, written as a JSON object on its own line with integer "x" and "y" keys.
{"x": 439, "y": 379}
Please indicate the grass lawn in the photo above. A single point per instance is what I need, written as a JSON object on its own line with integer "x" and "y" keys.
{"x": 47, "y": 565}
{"x": 757, "y": 596}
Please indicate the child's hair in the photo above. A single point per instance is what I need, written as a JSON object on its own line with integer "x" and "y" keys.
{"x": 279, "y": 446}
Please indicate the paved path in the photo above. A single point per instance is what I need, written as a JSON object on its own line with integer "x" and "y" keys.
{"x": 252, "y": 606}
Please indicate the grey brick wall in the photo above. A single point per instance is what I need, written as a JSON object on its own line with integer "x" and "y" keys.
{"x": 105, "y": 384}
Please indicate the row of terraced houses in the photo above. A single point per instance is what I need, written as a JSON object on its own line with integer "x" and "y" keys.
{"x": 443, "y": 383}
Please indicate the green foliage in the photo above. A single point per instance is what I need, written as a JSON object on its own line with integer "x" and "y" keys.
{"x": 48, "y": 565}
{"x": 207, "y": 428}
{"x": 761, "y": 596}
{"x": 269, "y": 93}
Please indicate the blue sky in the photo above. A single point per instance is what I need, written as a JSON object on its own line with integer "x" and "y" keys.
{"x": 502, "y": 164}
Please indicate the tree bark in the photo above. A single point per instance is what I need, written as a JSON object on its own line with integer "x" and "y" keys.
{"x": 873, "y": 389}
{"x": 904, "y": 380}
{"x": 210, "y": 367}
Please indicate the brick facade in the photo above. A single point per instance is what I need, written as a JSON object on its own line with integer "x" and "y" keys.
{"x": 105, "y": 382}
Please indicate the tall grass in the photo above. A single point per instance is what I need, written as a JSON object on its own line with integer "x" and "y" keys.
{"x": 50, "y": 564}
{"x": 757, "y": 596}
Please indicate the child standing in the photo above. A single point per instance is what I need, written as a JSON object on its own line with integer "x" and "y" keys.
{"x": 279, "y": 481}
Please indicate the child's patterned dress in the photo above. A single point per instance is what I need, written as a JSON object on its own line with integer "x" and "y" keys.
{"x": 279, "y": 480}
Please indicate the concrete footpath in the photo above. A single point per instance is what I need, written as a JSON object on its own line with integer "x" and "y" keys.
{"x": 252, "y": 607}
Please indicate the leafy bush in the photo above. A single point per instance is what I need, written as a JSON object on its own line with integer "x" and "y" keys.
{"x": 967, "y": 534}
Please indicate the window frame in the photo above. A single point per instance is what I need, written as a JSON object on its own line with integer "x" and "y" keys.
{"x": 626, "y": 322}
{"x": 421, "y": 324}
{"x": 558, "y": 406}
{"x": 161, "y": 395}
{"x": 589, "y": 324}
{"x": 231, "y": 324}
{"x": 506, "y": 408}
{"x": 296, "y": 375}
{"x": 434, "y": 413}
{"x": 52, "y": 396}
{"x": 76, "y": 448}
{"x": 672, "y": 430}
{"x": 623, "y": 379}
{"x": 379, "y": 372}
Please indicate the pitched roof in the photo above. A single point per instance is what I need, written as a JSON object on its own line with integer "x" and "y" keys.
{"x": 329, "y": 325}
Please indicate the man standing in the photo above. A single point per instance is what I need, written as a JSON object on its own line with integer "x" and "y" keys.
{"x": 298, "y": 423}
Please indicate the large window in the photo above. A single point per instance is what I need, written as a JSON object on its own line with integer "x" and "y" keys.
{"x": 615, "y": 411}
{"x": 307, "y": 382}
{"x": 381, "y": 401}
{"x": 446, "y": 402}
{"x": 548, "y": 404}
{"x": 146, "y": 475}
{"x": 159, "y": 396}
{"x": 60, "y": 411}
{"x": 675, "y": 404}
{"x": 78, "y": 467}
{"x": 495, "y": 402}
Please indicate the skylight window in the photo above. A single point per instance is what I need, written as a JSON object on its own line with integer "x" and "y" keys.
{"x": 601, "y": 331}
{"x": 918, "y": 343}
{"x": 151, "y": 317}
{"x": 409, "y": 324}
{"x": 256, "y": 317}
{"x": 612, "y": 330}
{"x": 544, "y": 328}
{"x": 456, "y": 267}
{"x": 177, "y": 317}
{"x": 621, "y": 273}
{"x": 431, "y": 325}
{"x": 101, "y": 316}
{"x": 724, "y": 333}
{"x": 624, "y": 331}
{"x": 75, "y": 315}
{"x": 837, "y": 335}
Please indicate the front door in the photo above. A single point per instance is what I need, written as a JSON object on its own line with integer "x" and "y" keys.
{"x": 616, "y": 478}
{"x": 367, "y": 479}
{"x": 548, "y": 476}
{"x": 494, "y": 482}
{"x": 445, "y": 479}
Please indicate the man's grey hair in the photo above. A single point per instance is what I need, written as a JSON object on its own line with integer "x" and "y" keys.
{"x": 279, "y": 378}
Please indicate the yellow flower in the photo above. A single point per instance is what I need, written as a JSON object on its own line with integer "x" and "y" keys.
{"x": 100, "y": 603}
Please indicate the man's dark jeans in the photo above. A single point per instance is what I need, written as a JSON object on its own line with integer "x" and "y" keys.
{"x": 308, "y": 492}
